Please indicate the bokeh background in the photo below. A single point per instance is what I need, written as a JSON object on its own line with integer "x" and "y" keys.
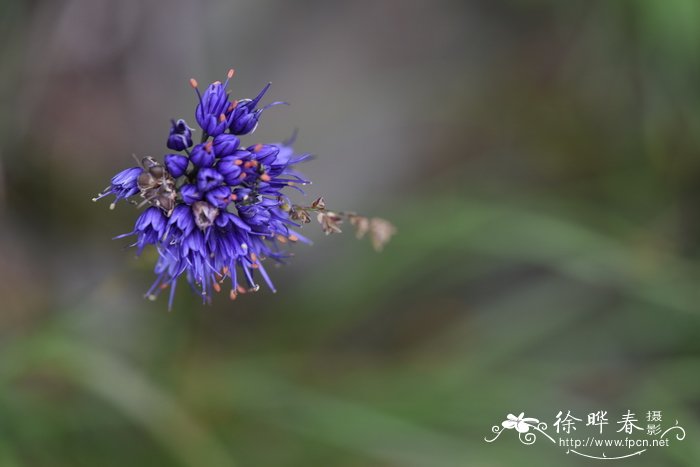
{"x": 539, "y": 158}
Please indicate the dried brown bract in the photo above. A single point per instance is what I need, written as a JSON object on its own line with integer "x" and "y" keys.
{"x": 361, "y": 224}
{"x": 319, "y": 204}
{"x": 298, "y": 213}
{"x": 380, "y": 230}
{"x": 157, "y": 186}
{"x": 330, "y": 222}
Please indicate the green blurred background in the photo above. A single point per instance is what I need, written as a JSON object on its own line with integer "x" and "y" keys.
{"x": 539, "y": 158}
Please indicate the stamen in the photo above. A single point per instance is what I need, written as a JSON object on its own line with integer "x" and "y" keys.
{"x": 265, "y": 178}
{"x": 233, "y": 105}
{"x": 253, "y": 257}
{"x": 238, "y": 162}
{"x": 232, "y": 295}
{"x": 241, "y": 289}
{"x": 103, "y": 193}
{"x": 193, "y": 83}
{"x": 208, "y": 146}
{"x": 293, "y": 238}
{"x": 229, "y": 75}
{"x": 216, "y": 287}
{"x": 257, "y": 147}
{"x": 222, "y": 118}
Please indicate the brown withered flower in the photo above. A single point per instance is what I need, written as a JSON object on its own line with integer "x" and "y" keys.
{"x": 330, "y": 222}
{"x": 380, "y": 230}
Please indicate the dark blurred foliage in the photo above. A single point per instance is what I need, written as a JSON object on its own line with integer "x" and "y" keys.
{"x": 539, "y": 158}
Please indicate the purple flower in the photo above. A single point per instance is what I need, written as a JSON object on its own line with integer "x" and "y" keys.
{"x": 226, "y": 208}
{"x": 230, "y": 168}
{"x": 229, "y": 221}
{"x": 255, "y": 216}
{"x": 149, "y": 228}
{"x": 265, "y": 153}
{"x": 244, "y": 118}
{"x": 181, "y": 222}
{"x": 202, "y": 155}
{"x": 122, "y": 186}
{"x": 219, "y": 197}
{"x": 180, "y": 136}
{"x": 208, "y": 179}
{"x": 176, "y": 164}
{"x": 190, "y": 194}
{"x": 225, "y": 145}
{"x": 211, "y": 113}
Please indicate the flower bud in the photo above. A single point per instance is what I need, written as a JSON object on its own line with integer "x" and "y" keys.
{"x": 202, "y": 156}
{"x": 190, "y": 194}
{"x": 208, "y": 179}
{"x": 176, "y": 164}
{"x": 225, "y": 145}
{"x": 219, "y": 197}
{"x": 230, "y": 168}
{"x": 180, "y": 136}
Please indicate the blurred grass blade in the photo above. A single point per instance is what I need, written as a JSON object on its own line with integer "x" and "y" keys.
{"x": 126, "y": 388}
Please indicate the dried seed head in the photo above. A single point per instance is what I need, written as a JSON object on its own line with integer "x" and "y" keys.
{"x": 300, "y": 214}
{"x": 381, "y": 232}
{"x": 361, "y": 224}
{"x": 146, "y": 181}
{"x": 330, "y": 222}
{"x": 158, "y": 171}
{"x": 319, "y": 204}
{"x": 204, "y": 214}
{"x": 166, "y": 202}
{"x": 156, "y": 185}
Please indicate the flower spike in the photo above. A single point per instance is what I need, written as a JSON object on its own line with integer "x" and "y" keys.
{"x": 217, "y": 212}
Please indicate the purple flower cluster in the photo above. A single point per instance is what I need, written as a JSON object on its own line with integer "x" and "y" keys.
{"x": 216, "y": 209}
